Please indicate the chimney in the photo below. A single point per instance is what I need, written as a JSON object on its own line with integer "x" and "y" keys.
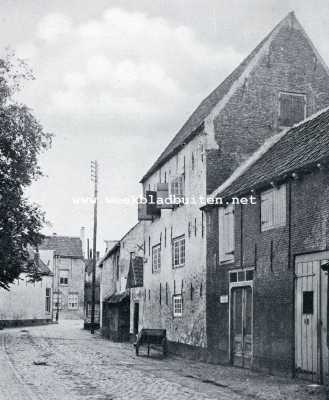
{"x": 82, "y": 237}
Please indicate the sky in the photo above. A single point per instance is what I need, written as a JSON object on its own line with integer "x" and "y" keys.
{"x": 115, "y": 80}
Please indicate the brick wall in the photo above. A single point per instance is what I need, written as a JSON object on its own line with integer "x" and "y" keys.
{"x": 273, "y": 285}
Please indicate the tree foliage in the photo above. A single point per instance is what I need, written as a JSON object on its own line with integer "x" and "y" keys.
{"x": 22, "y": 139}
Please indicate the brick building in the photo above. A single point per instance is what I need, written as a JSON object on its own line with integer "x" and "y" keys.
{"x": 64, "y": 256}
{"x": 281, "y": 82}
{"x": 114, "y": 293}
{"x": 269, "y": 298}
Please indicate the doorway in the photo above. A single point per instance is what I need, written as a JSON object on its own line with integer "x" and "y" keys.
{"x": 311, "y": 352}
{"x": 241, "y": 326}
{"x": 136, "y": 318}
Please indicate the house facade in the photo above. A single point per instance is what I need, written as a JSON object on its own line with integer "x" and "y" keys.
{"x": 281, "y": 82}
{"x": 114, "y": 293}
{"x": 28, "y": 302}
{"x": 269, "y": 298}
{"x": 64, "y": 256}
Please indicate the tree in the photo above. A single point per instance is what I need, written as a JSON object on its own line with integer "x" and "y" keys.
{"x": 22, "y": 139}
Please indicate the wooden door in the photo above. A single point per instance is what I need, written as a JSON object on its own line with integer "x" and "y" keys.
{"x": 241, "y": 326}
{"x": 311, "y": 352}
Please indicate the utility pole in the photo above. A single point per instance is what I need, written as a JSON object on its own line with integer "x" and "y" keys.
{"x": 94, "y": 178}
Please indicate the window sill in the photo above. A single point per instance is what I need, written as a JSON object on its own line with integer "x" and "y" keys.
{"x": 224, "y": 262}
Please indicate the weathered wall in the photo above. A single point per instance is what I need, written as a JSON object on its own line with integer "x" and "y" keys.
{"x": 185, "y": 220}
{"x": 289, "y": 64}
{"x": 25, "y": 301}
{"x": 273, "y": 285}
{"x": 250, "y": 116}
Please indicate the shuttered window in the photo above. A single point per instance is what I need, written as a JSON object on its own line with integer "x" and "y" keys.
{"x": 226, "y": 233}
{"x": 273, "y": 208}
{"x": 292, "y": 108}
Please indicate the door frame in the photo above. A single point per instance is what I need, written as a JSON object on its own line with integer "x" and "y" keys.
{"x": 319, "y": 256}
{"x": 233, "y": 285}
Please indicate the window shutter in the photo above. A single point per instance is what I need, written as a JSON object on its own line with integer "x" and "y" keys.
{"x": 266, "y": 210}
{"x": 221, "y": 248}
{"x": 292, "y": 108}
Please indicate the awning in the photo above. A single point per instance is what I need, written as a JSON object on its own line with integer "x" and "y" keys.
{"x": 117, "y": 297}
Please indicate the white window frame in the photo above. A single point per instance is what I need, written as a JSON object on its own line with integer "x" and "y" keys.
{"x": 61, "y": 271}
{"x": 156, "y": 258}
{"x": 226, "y": 235}
{"x": 177, "y": 305}
{"x": 294, "y": 95}
{"x": 73, "y": 301}
{"x": 178, "y": 251}
{"x": 273, "y": 208}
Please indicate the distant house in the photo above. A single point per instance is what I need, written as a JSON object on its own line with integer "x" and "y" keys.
{"x": 270, "y": 301}
{"x": 65, "y": 257}
{"x": 281, "y": 82}
{"x": 114, "y": 292}
{"x": 28, "y": 302}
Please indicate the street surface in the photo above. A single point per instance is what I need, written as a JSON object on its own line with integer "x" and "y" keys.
{"x": 64, "y": 362}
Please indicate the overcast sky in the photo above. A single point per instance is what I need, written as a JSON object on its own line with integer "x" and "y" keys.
{"x": 115, "y": 80}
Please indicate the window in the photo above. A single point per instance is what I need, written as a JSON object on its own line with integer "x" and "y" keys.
{"x": 48, "y": 299}
{"x": 177, "y": 186}
{"x": 292, "y": 108}
{"x": 73, "y": 302}
{"x": 156, "y": 258}
{"x": 226, "y": 233}
{"x": 178, "y": 305}
{"x": 273, "y": 208}
{"x": 57, "y": 301}
{"x": 241, "y": 275}
{"x": 63, "y": 277}
{"x": 178, "y": 252}
{"x": 308, "y": 302}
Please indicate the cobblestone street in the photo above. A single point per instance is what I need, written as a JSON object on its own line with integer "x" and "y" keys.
{"x": 65, "y": 362}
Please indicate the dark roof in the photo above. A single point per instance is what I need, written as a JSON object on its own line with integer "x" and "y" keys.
{"x": 300, "y": 148}
{"x": 35, "y": 263}
{"x": 117, "y": 297}
{"x": 64, "y": 246}
{"x": 136, "y": 273}
{"x": 195, "y": 121}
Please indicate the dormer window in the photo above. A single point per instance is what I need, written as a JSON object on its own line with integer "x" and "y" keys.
{"x": 292, "y": 108}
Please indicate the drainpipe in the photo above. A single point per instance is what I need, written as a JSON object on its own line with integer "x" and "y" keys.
{"x": 241, "y": 236}
{"x": 294, "y": 280}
